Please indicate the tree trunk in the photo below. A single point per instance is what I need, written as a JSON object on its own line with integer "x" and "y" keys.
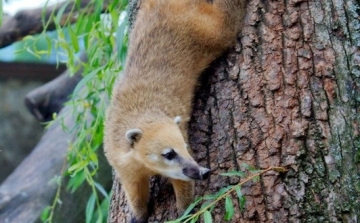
{"x": 286, "y": 95}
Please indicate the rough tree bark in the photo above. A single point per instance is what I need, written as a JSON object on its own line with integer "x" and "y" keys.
{"x": 286, "y": 95}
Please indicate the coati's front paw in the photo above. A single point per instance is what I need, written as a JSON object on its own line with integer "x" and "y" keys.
{"x": 136, "y": 220}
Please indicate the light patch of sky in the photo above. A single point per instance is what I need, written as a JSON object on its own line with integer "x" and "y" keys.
{"x": 12, "y": 6}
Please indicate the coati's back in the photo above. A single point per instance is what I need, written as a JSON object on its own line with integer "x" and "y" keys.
{"x": 173, "y": 41}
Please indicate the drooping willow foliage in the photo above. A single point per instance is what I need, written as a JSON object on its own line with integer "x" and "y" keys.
{"x": 100, "y": 32}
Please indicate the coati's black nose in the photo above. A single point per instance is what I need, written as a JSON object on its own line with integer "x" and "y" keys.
{"x": 205, "y": 172}
{"x": 196, "y": 172}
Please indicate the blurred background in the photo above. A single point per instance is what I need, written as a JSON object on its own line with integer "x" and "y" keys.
{"x": 20, "y": 72}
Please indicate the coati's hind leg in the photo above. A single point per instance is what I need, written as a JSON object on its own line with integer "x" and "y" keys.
{"x": 217, "y": 23}
{"x": 234, "y": 11}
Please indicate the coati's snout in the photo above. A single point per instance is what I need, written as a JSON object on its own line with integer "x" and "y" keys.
{"x": 196, "y": 172}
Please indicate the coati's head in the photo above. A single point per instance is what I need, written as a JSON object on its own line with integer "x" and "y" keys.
{"x": 161, "y": 148}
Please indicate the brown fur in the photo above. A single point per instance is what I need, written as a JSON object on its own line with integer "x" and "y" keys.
{"x": 171, "y": 44}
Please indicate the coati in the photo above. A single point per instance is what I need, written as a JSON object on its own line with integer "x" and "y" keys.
{"x": 171, "y": 44}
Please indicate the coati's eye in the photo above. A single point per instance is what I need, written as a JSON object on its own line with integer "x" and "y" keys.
{"x": 170, "y": 154}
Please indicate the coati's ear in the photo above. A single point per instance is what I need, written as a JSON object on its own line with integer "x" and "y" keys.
{"x": 133, "y": 135}
{"x": 177, "y": 120}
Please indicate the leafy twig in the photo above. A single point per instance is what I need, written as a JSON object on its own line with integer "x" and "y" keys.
{"x": 229, "y": 191}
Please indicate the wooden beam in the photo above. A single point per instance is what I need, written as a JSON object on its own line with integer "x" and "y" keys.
{"x": 30, "y": 71}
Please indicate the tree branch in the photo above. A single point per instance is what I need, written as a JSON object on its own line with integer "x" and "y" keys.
{"x": 29, "y": 22}
{"x": 49, "y": 98}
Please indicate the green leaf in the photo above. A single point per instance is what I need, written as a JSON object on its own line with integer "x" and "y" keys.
{"x": 90, "y": 208}
{"x": 87, "y": 78}
{"x": 61, "y": 12}
{"x": 76, "y": 181}
{"x": 242, "y": 199}
{"x": 191, "y": 206}
{"x": 103, "y": 209}
{"x": 256, "y": 179}
{"x": 45, "y": 213}
{"x": 222, "y": 191}
{"x": 79, "y": 25}
{"x": 121, "y": 34}
{"x": 194, "y": 220}
{"x": 114, "y": 17}
{"x": 93, "y": 157}
{"x": 44, "y": 19}
{"x": 234, "y": 173}
{"x": 229, "y": 209}
{"x": 33, "y": 53}
{"x": 247, "y": 166}
{"x": 209, "y": 197}
{"x": 102, "y": 190}
{"x": 74, "y": 40}
{"x": 207, "y": 217}
{"x": 205, "y": 204}
{"x": 182, "y": 218}
{"x": 77, "y": 167}
{"x": 48, "y": 45}
{"x": 1, "y": 12}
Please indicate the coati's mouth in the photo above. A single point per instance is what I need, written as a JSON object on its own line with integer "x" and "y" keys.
{"x": 196, "y": 172}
